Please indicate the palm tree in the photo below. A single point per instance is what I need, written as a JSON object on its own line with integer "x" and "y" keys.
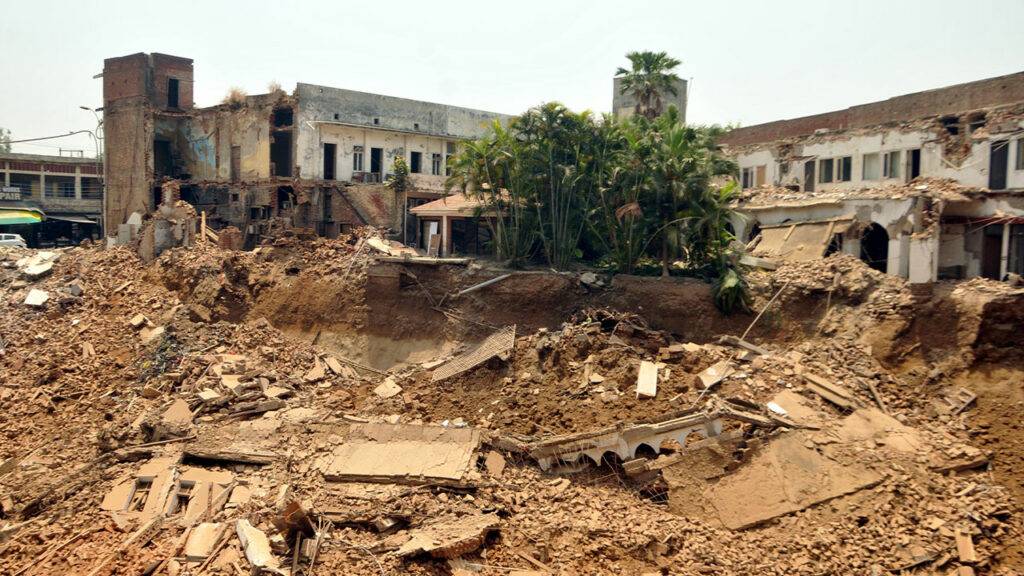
{"x": 650, "y": 76}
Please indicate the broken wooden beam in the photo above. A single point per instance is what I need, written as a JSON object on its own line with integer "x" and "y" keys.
{"x": 830, "y": 391}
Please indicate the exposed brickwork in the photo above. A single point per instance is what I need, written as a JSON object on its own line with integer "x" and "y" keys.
{"x": 941, "y": 101}
{"x": 125, "y": 77}
{"x": 165, "y": 67}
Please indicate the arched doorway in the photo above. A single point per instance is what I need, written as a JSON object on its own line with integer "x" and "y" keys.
{"x": 874, "y": 247}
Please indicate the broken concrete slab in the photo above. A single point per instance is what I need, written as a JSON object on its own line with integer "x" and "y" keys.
{"x": 138, "y": 321}
{"x": 201, "y": 541}
{"x": 785, "y": 477}
{"x": 624, "y": 441}
{"x": 715, "y": 373}
{"x": 317, "y": 373}
{"x": 37, "y": 298}
{"x": 449, "y": 537}
{"x": 873, "y": 424}
{"x": 334, "y": 365}
{"x": 388, "y": 388}
{"x": 256, "y": 546}
{"x": 405, "y": 453}
{"x": 177, "y": 415}
{"x": 208, "y": 395}
{"x": 498, "y": 343}
{"x": 495, "y": 463}
{"x": 37, "y": 271}
{"x": 647, "y": 380}
{"x": 149, "y": 335}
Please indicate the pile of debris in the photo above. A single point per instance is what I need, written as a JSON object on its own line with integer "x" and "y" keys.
{"x": 166, "y": 419}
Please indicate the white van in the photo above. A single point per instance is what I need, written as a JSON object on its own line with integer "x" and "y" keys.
{"x": 14, "y": 240}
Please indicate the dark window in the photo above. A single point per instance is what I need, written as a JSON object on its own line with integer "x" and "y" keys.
{"x": 845, "y": 167}
{"x": 172, "y": 92}
{"x": 416, "y": 162}
{"x": 281, "y": 153}
{"x": 330, "y": 157}
{"x": 416, "y": 126}
{"x": 283, "y": 117}
{"x": 376, "y": 160}
{"x": 951, "y": 124}
{"x": 435, "y": 164}
{"x": 162, "y": 163}
{"x": 376, "y": 121}
{"x": 337, "y": 116}
{"x": 914, "y": 163}
{"x": 998, "y": 164}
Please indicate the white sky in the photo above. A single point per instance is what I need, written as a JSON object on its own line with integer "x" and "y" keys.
{"x": 750, "y": 61}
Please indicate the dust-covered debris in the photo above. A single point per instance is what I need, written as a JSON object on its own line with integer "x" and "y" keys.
{"x": 215, "y": 410}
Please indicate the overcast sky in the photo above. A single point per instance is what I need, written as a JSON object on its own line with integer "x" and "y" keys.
{"x": 750, "y": 62}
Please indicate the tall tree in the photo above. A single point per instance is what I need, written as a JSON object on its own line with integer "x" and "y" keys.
{"x": 5, "y": 140}
{"x": 651, "y": 75}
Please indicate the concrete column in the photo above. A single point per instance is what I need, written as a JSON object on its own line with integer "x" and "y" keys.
{"x": 924, "y": 259}
{"x": 894, "y": 256}
{"x": 78, "y": 183}
{"x": 445, "y": 237}
{"x": 1004, "y": 252}
{"x": 42, "y": 185}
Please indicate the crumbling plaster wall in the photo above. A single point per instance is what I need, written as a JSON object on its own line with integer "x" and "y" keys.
{"x": 386, "y": 117}
{"x": 898, "y": 217}
{"x": 971, "y": 171}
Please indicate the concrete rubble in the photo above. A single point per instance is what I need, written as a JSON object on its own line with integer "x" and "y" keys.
{"x": 306, "y": 407}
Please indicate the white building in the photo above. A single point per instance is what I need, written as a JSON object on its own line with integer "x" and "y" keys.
{"x": 925, "y": 186}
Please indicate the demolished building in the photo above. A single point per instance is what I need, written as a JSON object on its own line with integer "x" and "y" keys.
{"x": 316, "y": 159}
{"x": 924, "y": 186}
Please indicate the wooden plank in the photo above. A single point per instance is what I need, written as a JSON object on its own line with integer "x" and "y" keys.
{"x": 965, "y": 547}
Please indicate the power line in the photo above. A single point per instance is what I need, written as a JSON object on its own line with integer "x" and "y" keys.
{"x": 49, "y": 137}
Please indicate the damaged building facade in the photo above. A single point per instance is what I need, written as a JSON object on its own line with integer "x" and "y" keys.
{"x": 924, "y": 186}
{"x": 51, "y": 200}
{"x": 317, "y": 159}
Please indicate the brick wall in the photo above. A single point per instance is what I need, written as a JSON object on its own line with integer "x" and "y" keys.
{"x": 166, "y": 66}
{"x": 941, "y": 101}
{"x": 125, "y": 77}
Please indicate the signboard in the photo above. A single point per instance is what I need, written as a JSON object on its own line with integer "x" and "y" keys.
{"x": 10, "y": 193}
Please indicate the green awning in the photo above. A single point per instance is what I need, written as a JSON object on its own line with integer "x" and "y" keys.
{"x": 19, "y": 216}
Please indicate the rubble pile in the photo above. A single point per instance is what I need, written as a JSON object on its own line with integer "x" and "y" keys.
{"x": 163, "y": 418}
